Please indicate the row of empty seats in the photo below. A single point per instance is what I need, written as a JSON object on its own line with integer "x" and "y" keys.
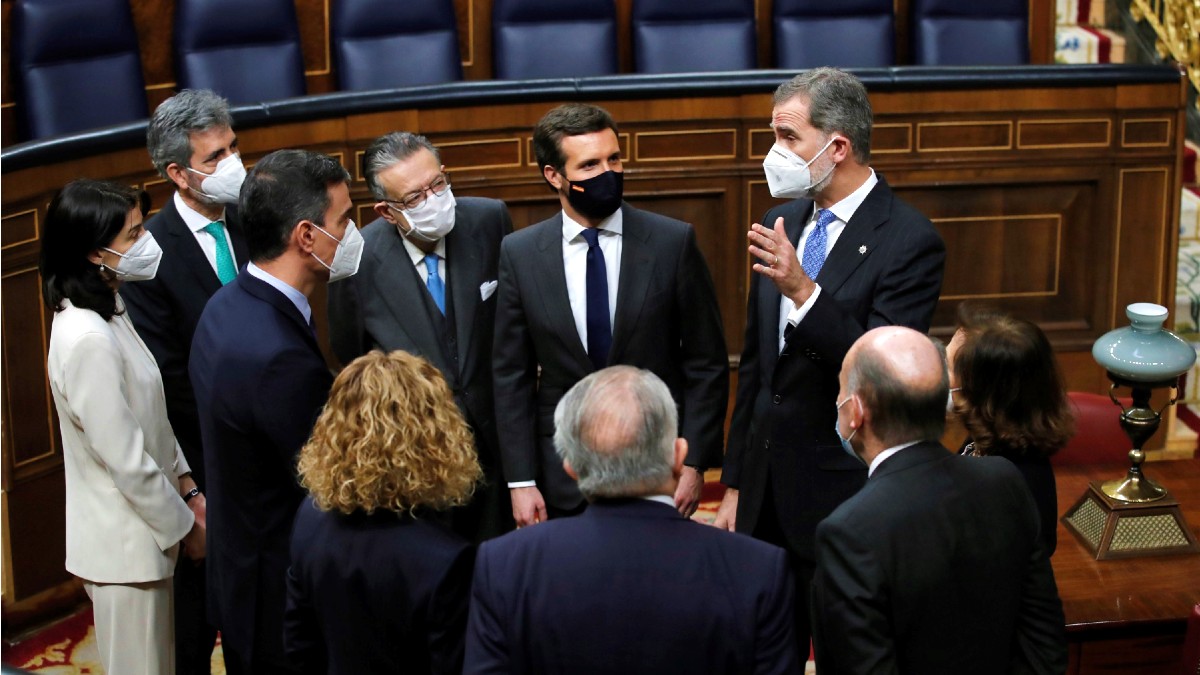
{"x": 249, "y": 50}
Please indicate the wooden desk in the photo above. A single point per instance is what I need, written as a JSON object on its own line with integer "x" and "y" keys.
{"x": 1127, "y": 615}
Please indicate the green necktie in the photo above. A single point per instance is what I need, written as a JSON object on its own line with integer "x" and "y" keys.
{"x": 225, "y": 269}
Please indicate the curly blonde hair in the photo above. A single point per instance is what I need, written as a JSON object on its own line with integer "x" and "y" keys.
{"x": 390, "y": 437}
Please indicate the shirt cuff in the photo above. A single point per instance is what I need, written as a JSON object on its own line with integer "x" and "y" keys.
{"x": 797, "y": 314}
{"x": 522, "y": 483}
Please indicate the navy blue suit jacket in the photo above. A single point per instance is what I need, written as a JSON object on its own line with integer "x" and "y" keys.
{"x": 885, "y": 269}
{"x": 260, "y": 382}
{"x": 379, "y": 593}
{"x": 936, "y": 566}
{"x": 166, "y": 309}
{"x": 630, "y": 586}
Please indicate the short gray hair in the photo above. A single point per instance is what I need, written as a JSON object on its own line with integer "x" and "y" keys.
{"x": 837, "y": 103}
{"x": 387, "y": 151}
{"x": 168, "y": 136}
{"x": 616, "y": 428}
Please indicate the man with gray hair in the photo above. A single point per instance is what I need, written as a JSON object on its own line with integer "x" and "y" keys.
{"x": 426, "y": 285}
{"x": 843, "y": 256}
{"x": 936, "y": 565}
{"x": 192, "y": 145}
{"x": 629, "y": 585}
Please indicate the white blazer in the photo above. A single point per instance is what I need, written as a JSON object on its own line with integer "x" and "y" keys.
{"x": 122, "y": 463}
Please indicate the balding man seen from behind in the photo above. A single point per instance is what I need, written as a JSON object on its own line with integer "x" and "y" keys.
{"x": 936, "y": 565}
{"x": 629, "y": 585}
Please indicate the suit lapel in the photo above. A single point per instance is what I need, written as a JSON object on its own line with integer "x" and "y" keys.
{"x": 234, "y": 225}
{"x": 858, "y": 241}
{"x": 552, "y": 287}
{"x": 183, "y": 246}
{"x": 267, "y": 293}
{"x": 637, "y": 265}
{"x": 464, "y": 256}
{"x": 794, "y": 217}
{"x": 398, "y": 284}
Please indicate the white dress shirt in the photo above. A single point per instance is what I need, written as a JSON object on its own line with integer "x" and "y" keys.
{"x": 575, "y": 249}
{"x": 844, "y": 210}
{"x": 887, "y": 453}
{"x": 298, "y": 299}
{"x": 196, "y": 223}
{"x": 120, "y": 458}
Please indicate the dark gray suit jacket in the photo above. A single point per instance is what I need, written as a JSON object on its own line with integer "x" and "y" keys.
{"x": 166, "y": 309}
{"x": 936, "y": 566}
{"x": 886, "y": 269}
{"x": 384, "y": 306}
{"x": 667, "y": 321}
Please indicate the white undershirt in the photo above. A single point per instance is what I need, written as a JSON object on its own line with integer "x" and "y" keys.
{"x": 844, "y": 210}
{"x": 298, "y": 299}
{"x": 418, "y": 259}
{"x": 888, "y": 453}
{"x": 196, "y": 223}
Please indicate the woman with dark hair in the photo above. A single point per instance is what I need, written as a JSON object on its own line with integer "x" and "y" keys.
{"x": 374, "y": 586}
{"x": 128, "y": 488}
{"x": 1006, "y": 388}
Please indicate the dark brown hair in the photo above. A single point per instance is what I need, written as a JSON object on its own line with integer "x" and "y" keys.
{"x": 568, "y": 119}
{"x": 1012, "y": 392}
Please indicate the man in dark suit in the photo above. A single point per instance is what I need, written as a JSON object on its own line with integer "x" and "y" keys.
{"x": 630, "y": 585}
{"x": 260, "y": 382}
{"x": 869, "y": 260}
{"x": 936, "y": 565}
{"x": 447, "y": 315}
{"x": 192, "y": 144}
{"x": 600, "y": 283}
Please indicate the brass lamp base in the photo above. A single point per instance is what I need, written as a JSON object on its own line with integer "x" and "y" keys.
{"x": 1116, "y": 528}
{"x": 1134, "y": 487}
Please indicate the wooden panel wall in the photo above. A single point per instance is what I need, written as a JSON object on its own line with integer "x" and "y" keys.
{"x": 154, "y": 20}
{"x": 1058, "y": 204}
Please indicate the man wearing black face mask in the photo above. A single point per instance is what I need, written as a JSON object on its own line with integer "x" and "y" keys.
{"x": 599, "y": 284}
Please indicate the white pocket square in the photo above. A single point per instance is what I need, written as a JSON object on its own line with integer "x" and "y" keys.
{"x": 486, "y": 289}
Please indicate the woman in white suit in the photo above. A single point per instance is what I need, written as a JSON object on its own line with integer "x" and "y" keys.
{"x": 130, "y": 500}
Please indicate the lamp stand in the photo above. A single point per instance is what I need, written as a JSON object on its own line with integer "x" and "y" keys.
{"x": 1133, "y": 516}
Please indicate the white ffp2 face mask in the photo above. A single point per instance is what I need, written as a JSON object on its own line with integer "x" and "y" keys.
{"x": 140, "y": 262}
{"x": 433, "y": 219}
{"x": 225, "y": 182}
{"x": 348, "y": 254}
{"x": 788, "y": 175}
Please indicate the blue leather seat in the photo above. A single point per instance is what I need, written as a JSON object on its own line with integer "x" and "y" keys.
{"x": 554, "y": 38}
{"x": 845, "y": 33}
{"x": 974, "y": 33}
{"x": 76, "y": 65}
{"x": 694, "y": 36}
{"x": 385, "y": 44}
{"x": 246, "y": 50}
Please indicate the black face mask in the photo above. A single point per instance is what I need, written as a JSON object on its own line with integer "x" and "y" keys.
{"x": 597, "y": 197}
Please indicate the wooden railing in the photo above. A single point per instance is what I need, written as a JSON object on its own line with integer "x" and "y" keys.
{"x": 1177, "y": 25}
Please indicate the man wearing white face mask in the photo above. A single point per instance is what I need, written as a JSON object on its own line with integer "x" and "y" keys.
{"x": 426, "y": 286}
{"x": 845, "y": 256}
{"x": 192, "y": 144}
{"x": 260, "y": 381}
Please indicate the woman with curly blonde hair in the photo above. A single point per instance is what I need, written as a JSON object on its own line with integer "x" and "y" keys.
{"x": 374, "y": 586}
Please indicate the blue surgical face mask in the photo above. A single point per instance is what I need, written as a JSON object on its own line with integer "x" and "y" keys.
{"x": 845, "y": 441}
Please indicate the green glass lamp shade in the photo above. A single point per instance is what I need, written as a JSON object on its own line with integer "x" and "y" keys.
{"x": 1144, "y": 351}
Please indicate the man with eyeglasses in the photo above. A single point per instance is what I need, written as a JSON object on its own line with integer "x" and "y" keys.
{"x": 426, "y": 285}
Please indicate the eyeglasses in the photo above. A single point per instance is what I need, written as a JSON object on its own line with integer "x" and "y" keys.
{"x": 412, "y": 200}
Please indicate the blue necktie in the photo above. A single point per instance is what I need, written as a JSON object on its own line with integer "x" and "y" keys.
{"x": 814, "y": 248}
{"x": 434, "y": 282}
{"x": 599, "y": 331}
{"x": 225, "y": 269}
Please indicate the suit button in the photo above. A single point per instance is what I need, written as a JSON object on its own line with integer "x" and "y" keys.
{"x": 767, "y": 444}
{"x": 777, "y": 399}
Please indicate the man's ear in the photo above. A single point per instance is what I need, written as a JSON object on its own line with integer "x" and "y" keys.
{"x": 553, "y": 177}
{"x": 304, "y": 236}
{"x": 840, "y": 149}
{"x": 570, "y": 471}
{"x": 178, "y": 175}
{"x": 384, "y": 210}
{"x": 681, "y": 449}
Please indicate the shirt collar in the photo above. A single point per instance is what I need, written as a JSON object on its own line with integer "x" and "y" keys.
{"x": 887, "y": 453}
{"x": 191, "y": 217}
{"x": 571, "y": 229}
{"x": 292, "y": 294}
{"x": 661, "y": 499}
{"x": 417, "y": 255}
{"x": 844, "y": 210}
